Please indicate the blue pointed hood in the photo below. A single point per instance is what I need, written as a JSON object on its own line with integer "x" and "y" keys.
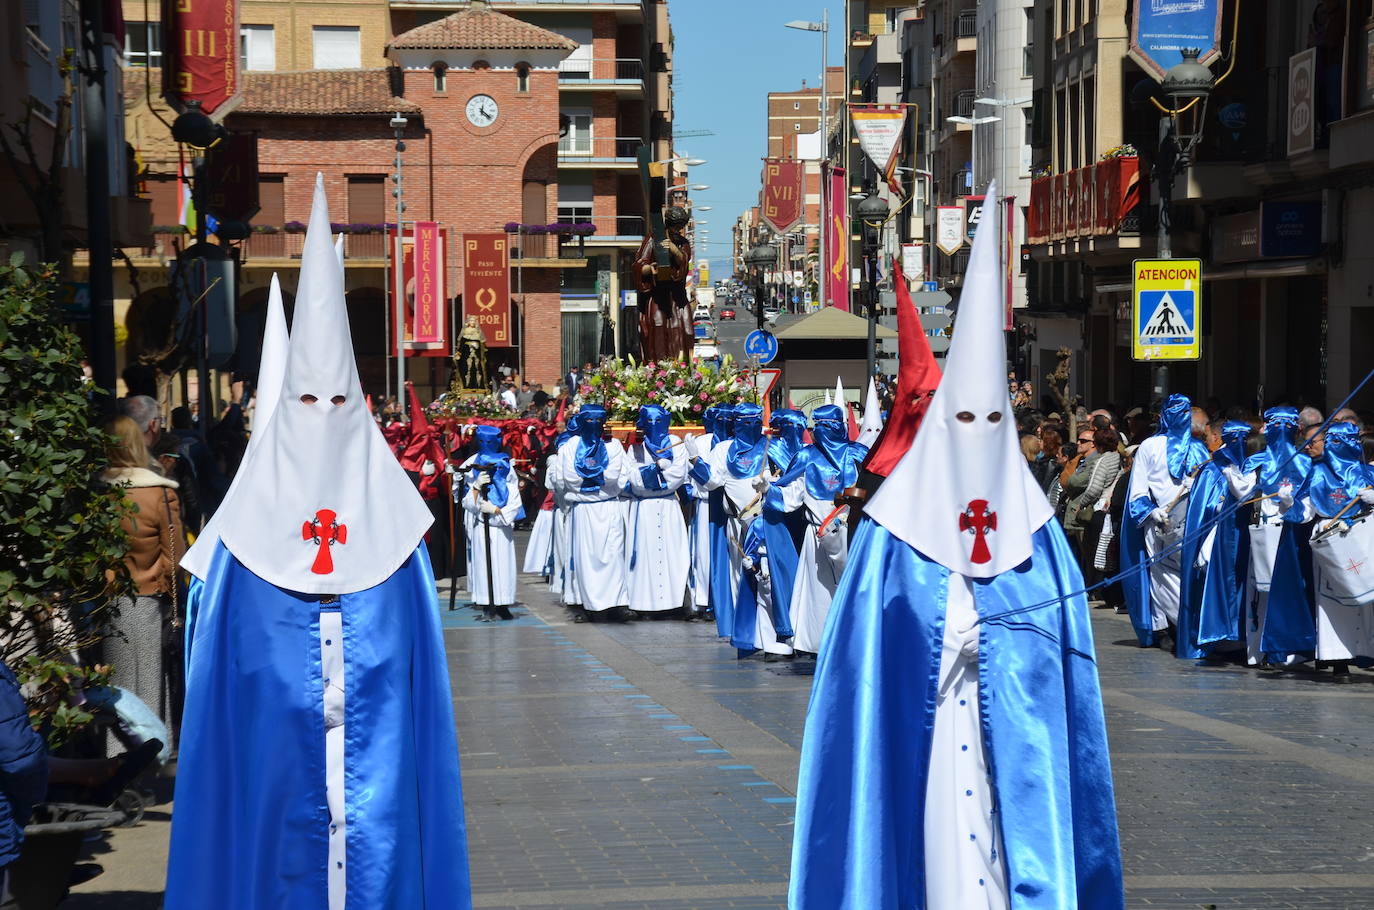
{"x": 489, "y": 457}
{"x": 1176, "y": 425}
{"x": 1232, "y": 451}
{"x": 653, "y": 423}
{"x": 788, "y": 429}
{"x": 748, "y": 448}
{"x": 830, "y": 432}
{"x": 592, "y": 457}
{"x": 1342, "y": 473}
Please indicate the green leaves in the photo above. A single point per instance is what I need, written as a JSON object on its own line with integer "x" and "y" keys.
{"x": 62, "y": 542}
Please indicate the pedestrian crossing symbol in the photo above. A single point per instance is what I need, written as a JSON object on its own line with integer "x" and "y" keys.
{"x": 1165, "y": 312}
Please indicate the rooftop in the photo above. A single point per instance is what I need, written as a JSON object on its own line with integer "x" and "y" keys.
{"x": 319, "y": 92}
{"x": 480, "y": 28}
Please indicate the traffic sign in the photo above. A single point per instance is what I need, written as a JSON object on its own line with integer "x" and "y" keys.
{"x": 1166, "y": 309}
{"x": 761, "y": 344}
{"x": 765, "y": 380}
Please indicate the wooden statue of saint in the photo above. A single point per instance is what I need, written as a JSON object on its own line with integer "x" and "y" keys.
{"x": 665, "y": 316}
{"x": 470, "y": 360}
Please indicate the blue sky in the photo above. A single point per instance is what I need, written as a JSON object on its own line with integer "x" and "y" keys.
{"x": 728, "y": 55}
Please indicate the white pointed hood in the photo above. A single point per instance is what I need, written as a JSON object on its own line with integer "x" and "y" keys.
{"x": 963, "y": 494}
{"x": 873, "y": 417}
{"x": 839, "y": 392}
{"x": 338, "y": 249}
{"x": 321, "y": 505}
{"x": 271, "y": 372}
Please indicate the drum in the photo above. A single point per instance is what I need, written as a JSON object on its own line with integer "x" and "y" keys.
{"x": 1264, "y": 547}
{"x": 1343, "y": 560}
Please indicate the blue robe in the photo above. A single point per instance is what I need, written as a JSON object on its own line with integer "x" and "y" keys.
{"x": 747, "y": 594}
{"x": 782, "y": 533}
{"x": 250, "y": 829}
{"x": 1212, "y": 598}
{"x": 859, "y": 842}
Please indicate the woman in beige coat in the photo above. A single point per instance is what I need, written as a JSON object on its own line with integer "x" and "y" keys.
{"x": 147, "y": 620}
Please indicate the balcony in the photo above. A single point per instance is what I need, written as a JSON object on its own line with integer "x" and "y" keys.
{"x": 1099, "y": 207}
{"x": 622, "y": 75}
{"x": 617, "y": 230}
{"x": 963, "y": 37}
{"x": 963, "y": 104}
{"x": 599, "y": 152}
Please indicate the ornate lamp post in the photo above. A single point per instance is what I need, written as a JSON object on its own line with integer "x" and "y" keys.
{"x": 872, "y": 212}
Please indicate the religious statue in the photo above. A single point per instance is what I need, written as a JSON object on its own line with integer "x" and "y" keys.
{"x": 470, "y": 360}
{"x": 665, "y": 324}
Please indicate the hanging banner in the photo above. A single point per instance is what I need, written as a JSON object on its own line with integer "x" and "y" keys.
{"x": 973, "y": 216}
{"x": 200, "y": 57}
{"x": 837, "y": 239}
{"x": 1161, "y": 29}
{"x": 880, "y": 128}
{"x": 486, "y": 286}
{"x": 914, "y": 262}
{"x": 783, "y": 207}
{"x": 420, "y": 278}
{"x": 949, "y": 228}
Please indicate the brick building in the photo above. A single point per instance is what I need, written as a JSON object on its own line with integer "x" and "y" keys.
{"x": 515, "y": 111}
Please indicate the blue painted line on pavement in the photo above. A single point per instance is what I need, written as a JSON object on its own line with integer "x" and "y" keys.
{"x": 695, "y": 739}
{"x": 677, "y": 726}
{"x": 735, "y": 767}
{"x": 622, "y": 686}
{"x": 650, "y": 707}
{"x": 663, "y": 716}
{"x": 758, "y": 783}
{"x": 636, "y": 696}
{"x": 712, "y": 752}
{"x": 780, "y": 800}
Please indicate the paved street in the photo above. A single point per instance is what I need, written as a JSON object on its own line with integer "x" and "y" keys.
{"x": 644, "y": 766}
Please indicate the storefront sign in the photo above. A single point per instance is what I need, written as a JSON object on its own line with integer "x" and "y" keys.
{"x": 1276, "y": 230}
{"x": 200, "y": 56}
{"x": 1302, "y": 108}
{"x": 486, "y": 286}
{"x": 1161, "y": 29}
{"x": 973, "y": 216}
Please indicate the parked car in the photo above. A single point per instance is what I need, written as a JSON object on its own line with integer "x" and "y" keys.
{"x": 771, "y": 313}
{"x": 702, "y": 312}
{"x": 727, "y": 313}
{"x": 704, "y": 329}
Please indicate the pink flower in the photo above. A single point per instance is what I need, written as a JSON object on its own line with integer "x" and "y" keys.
{"x": 696, "y": 407}
{"x": 586, "y": 389}
{"x": 680, "y": 383}
{"x": 659, "y": 384}
{"x": 705, "y": 397}
{"x": 652, "y": 394}
{"x": 620, "y": 385}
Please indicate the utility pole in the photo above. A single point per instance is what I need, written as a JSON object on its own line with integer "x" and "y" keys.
{"x": 97, "y": 159}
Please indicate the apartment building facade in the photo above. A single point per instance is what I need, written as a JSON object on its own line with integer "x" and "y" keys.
{"x": 1275, "y": 215}
{"x": 566, "y": 92}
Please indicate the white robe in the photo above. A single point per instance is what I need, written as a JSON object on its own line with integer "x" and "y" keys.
{"x": 502, "y": 535}
{"x": 658, "y": 558}
{"x": 1150, "y": 477}
{"x": 540, "y": 544}
{"x": 1343, "y": 632}
{"x": 963, "y": 846}
{"x": 819, "y": 567}
{"x": 596, "y": 530}
{"x": 765, "y": 634}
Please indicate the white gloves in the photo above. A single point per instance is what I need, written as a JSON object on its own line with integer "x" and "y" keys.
{"x": 1160, "y": 516}
{"x": 761, "y": 482}
{"x": 747, "y": 563}
{"x": 1285, "y": 497}
{"x": 480, "y": 481}
{"x": 489, "y": 508}
{"x": 428, "y": 468}
{"x": 530, "y": 428}
{"x": 1186, "y": 482}
{"x": 690, "y": 445}
{"x": 664, "y": 464}
{"x": 1367, "y": 496}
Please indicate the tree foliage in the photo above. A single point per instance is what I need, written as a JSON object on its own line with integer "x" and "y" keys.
{"x": 62, "y": 545}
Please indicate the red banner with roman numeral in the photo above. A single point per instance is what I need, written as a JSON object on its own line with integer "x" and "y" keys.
{"x": 486, "y": 286}
{"x": 784, "y": 204}
{"x": 200, "y": 57}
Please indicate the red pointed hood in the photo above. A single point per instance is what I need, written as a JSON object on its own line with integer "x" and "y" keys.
{"x": 422, "y": 444}
{"x": 917, "y": 377}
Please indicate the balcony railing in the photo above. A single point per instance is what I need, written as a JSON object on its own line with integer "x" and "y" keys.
{"x": 278, "y": 245}
{"x": 1090, "y": 201}
{"x": 963, "y": 104}
{"x": 599, "y": 147}
{"x": 618, "y": 69}
{"x": 966, "y": 24}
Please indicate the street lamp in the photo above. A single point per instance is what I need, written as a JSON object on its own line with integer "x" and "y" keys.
{"x": 1004, "y": 179}
{"x": 824, "y": 28}
{"x": 872, "y": 212}
{"x": 758, "y": 260}
{"x": 704, "y": 208}
{"x": 974, "y": 122}
{"x": 398, "y": 129}
{"x": 1188, "y": 84}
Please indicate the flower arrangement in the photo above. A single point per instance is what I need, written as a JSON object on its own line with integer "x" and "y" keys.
{"x": 684, "y": 389}
{"x": 457, "y": 405}
{"x": 1121, "y": 151}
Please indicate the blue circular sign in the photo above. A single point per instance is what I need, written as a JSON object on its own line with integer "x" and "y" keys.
{"x": 761, "y": 344}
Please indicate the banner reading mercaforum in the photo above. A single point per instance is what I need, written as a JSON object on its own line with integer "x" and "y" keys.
{"x": 1161, "y": 29}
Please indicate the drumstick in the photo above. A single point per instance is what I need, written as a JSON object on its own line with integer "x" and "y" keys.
{"x": 1250, "y": 502}
{"x": 1335, "y": 520}
{"x": 1186, "y": 490}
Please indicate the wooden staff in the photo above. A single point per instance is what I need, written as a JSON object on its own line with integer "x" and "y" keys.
{"x": 1336, "y": 519}
{"x": 1186, "y": 490}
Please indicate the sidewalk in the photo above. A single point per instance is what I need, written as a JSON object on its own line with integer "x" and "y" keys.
{"x": 644, "y": 767}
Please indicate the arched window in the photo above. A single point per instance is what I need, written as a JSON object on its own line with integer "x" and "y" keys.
{"x": 522, "y": 77}
{"x": 440, "y": 76}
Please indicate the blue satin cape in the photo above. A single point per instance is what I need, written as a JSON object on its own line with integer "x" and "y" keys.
{"x": 251, "y": 826}
{"x": 1211, "y": 599}
{"x": 859, "y": 840}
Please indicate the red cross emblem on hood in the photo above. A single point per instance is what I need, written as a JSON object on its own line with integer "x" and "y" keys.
{"x": 979, "y": 519}
{"x": 325, "y": 530}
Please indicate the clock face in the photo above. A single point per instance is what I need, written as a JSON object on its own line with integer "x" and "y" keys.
{"x": 482, "y": 110}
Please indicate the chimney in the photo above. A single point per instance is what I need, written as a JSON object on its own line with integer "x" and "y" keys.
{"x": 484, "y": 5}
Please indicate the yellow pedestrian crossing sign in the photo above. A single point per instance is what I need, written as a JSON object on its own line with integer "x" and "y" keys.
{"x": 1166, "y": 309}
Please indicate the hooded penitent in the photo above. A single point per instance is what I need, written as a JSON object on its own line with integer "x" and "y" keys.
{"x": 789, "y": 430}
{"x": 1210, "y": 602}
{"x": 271, "y": 372}
{"x": 490, "y": 458}
{"x": 724, "y": 426}
{"x": 1176, "y": 425}
{"x": 318, "y": 765}
{"x": 592, "y": 457}
{"x": 978, "y": 520}
{"x": 748, "y": 448}
{"x": 1341, "y": 474}
{"x": 872, "y": 426}
{"x": 917, "y": 376}
{"x": 1280, "y": 463}
{"x": 424, "y": 451}
{"x": 955, "y": 752}
{"x": 653, "y": 423}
